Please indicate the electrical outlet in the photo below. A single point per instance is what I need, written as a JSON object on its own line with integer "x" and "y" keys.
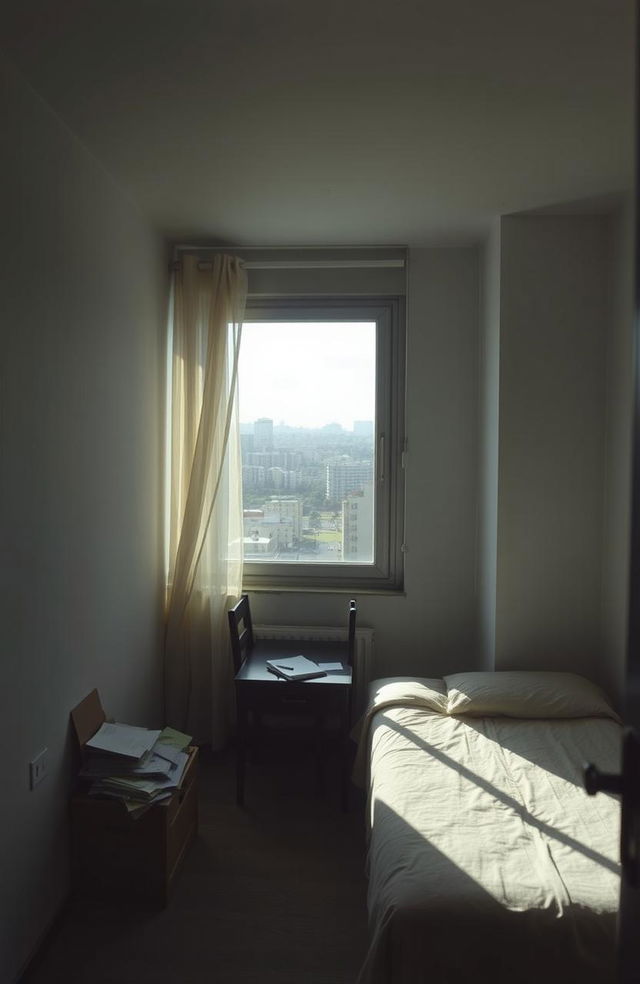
{"x": 38, "y": 768}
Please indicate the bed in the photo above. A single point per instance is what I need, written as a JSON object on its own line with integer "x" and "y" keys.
{"x": 486, "y": 859}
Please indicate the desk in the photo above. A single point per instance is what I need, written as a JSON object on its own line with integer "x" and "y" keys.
{"x": 259, "y": 690}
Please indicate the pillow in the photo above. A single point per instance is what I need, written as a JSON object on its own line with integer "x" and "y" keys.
{"x": 526, "y": 694}
{"x": 425, "y": 692}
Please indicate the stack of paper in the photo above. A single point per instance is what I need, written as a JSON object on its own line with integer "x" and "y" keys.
{"x": 135, "y": 765}
{"x": 123, "y": 740}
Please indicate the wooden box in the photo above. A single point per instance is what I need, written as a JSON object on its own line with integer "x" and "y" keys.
{"x": 115, "y": 855}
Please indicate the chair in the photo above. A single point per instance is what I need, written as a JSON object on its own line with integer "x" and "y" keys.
{"x": 241, "y": 638}
{"x": 258, "y": 691}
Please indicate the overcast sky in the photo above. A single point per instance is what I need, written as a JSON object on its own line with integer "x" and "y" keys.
{"x": 308, "y": 374}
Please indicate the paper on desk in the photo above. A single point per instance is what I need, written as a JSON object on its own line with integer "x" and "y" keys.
{"x": 100, "y": 766}
{"x": 330, "y": 666}
{"x": 139, "y": 787}
{"x": 135, "y": 808}
{"x": 121, "y": 739}
{"x": 171, "y": 744}
{"x": 169, "y": 736}
{"x": 168, "y": 753}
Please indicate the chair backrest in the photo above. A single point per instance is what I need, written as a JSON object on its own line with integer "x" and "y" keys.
{"x": 241, "y": 631}
{"x": 353, "y": 611}
{"x": 351, "y": 652}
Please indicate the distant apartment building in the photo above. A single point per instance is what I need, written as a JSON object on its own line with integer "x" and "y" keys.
{"x": 275, "y": 478}
{"x": 286, "y": 509}
{"x": 253, "y": 477}
{"x": 262, "y": 528}
{"x": 260, "y": 459}
{"x": 346, "y": 477}
{"x": 357, "y": 526}
{"x": 263, "y": 434}
{"x": 278, "y": 478}
{"x": 289, "y": 460}
{"x": 292, "y": 460}
{"x": 246, "y": 444}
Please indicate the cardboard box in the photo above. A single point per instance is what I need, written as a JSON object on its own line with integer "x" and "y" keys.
{"x": 113, "y": 855}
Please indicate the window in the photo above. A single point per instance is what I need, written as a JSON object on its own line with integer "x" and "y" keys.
{"x": 321, "y": 398}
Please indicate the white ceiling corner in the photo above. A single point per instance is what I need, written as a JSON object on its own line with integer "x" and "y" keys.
{"x": 285, "y": 121}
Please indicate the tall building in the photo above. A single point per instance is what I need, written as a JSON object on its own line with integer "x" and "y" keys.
{"x": 348, "y": 477}
{"x": 357, "y": 526}
{"x": 246, "y": 444}
{"x": 253, "y": 476}
{"x": 287, "y": 509}
{"x": 288, "y": 460}
{"x": 262, "y": 458}
{"x": 263, "y": 434}
{"x": 280, "y": 478}
{"x": 276, "y": 478}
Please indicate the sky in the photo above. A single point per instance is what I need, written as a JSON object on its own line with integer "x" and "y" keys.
{"x": 308, "y": 374}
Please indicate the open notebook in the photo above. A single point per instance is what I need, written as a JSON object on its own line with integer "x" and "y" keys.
{"x": 295, "y": 668}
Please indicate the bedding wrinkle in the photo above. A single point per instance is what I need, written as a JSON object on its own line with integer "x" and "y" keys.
{"x": 484, "y": 850}
{"x": 395, "y": 760}
{"x": 554, "y": 892}
{"x": 557, "y": 798}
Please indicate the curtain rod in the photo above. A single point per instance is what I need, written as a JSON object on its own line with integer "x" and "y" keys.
{"x": 304, "y": 264}
{"x": 319, "y": 264}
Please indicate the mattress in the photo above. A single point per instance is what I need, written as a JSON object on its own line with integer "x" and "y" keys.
{"x": 486, "y": 858}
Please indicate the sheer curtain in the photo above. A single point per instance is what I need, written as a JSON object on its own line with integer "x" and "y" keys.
{"x": 205, "y": 494}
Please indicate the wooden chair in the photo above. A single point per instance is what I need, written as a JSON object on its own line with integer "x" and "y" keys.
{"x": 258, "y": 691}
{"x": 241, "y": 629}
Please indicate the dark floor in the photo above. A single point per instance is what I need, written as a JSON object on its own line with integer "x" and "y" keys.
{"x": 273, "y": 893}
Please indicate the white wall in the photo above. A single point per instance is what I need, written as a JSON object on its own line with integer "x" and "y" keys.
{"x": 555, "y": 315}
{"x": 432, "y": 629}
{"x": 618, "y": 454}
{"x": 83, "y": 279}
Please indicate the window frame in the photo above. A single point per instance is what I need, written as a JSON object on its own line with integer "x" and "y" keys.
{"x": 386, "y": 573}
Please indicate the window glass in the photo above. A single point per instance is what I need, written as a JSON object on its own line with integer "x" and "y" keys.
{"x": 307, "y": 399}
{"x": 321, "y": 401}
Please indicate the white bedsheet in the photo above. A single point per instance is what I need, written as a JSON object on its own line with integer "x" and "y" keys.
{"x": 487, "y": 860}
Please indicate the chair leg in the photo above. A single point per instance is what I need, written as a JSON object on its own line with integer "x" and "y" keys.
{"x": 346, "y": 763}
{"x": 241, "y": 755}
{"x": 255, "y": 743}
{"x": 240, "y": 768}
{"x": 345, "y": 782}
{"x": 319, "y": 752}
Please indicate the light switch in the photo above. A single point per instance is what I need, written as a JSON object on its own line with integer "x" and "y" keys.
{"x": 38, "y": 768}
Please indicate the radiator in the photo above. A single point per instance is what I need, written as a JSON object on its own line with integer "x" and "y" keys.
{"x": 363, "y": 656}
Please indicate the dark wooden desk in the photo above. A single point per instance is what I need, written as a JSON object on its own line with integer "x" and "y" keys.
{"x": 258, "y": 690}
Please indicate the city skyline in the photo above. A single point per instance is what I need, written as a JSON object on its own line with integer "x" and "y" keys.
{"x": 282, "y": 424}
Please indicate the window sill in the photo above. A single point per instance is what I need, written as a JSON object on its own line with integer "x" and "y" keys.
{"x": 346, "y": 590}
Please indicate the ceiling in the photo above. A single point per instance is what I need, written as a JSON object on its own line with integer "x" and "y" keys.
{"x": 272, "y": 122}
